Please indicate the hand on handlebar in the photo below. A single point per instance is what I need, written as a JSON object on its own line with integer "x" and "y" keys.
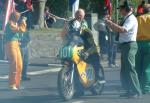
{"x": 83, "y": 54}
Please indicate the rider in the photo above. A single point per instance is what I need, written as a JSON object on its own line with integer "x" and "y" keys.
{"x": 76, "y": 32}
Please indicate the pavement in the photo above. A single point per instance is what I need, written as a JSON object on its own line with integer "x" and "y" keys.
{"x": 42, "y": 88}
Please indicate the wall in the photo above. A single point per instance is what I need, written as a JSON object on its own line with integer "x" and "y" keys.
{"x": 44, "y": 43}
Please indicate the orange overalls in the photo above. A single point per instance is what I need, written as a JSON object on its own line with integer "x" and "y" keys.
{"x": 13, "y": 53}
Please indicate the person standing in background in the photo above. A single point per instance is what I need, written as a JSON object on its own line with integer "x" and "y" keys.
{"x": 143, "y": 53}
{"x": 12, "y": 48}
{"x": 140, "y": 9}
{"x": 26, "y": 7}
{"x": 24, "y": 41}
{"x": 48, "y": 19}
{"x": 103, "y": 33}
{"x": 112, "y": 50}
{"x": 20, "y": 6}
{"x": 29, "y": 14}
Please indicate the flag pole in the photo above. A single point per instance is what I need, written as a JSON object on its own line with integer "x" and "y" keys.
{"x": 75, "y": 6}
{"x": 9, "y": 9}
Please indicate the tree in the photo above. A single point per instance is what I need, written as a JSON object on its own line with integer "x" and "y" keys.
{"x": 61, "y": 8}
{"x": 39, "y": 6}
{"x": 58, "y": 7}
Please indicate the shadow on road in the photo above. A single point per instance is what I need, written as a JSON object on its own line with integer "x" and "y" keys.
{"x": 49, "y": 94}
{"x": 30, "y": 95}
{"x": 34, "y": 99}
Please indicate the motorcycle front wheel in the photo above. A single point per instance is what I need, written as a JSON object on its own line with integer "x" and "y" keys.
{"x": 64, "y": 84}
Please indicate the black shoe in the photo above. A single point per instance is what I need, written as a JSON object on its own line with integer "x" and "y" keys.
{"x": 135, "y": 96}
{"x": 146, "y": 92}
{"x": 25, "y": 78}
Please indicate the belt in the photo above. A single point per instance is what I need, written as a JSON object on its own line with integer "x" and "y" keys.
{"x": 127, "y": 42}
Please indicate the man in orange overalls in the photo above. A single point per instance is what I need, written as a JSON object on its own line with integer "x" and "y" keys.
{"x": 12, "y": 31}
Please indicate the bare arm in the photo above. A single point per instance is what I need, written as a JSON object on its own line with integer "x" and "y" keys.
{"x": 18, "y": 27}
{"x": 64, "y": 30}
{"x": 115, "y": 27}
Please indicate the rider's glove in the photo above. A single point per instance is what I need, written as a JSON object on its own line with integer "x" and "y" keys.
{"x": 83, "y": 54}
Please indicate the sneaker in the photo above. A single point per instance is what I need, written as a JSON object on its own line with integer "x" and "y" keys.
{"x": 113, "y": 66}
{"x": 146, "y": 92}
{"x": 21, "y": 88}
{"x": 101, "y": 81}
{"x": 14, "y": 88}
{"x": 116, "y": 65}
{"x": 131, "y": 95}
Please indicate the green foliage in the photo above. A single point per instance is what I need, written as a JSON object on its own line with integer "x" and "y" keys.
{"x": 61, "y": 7}
{"x": 58, "y": 7}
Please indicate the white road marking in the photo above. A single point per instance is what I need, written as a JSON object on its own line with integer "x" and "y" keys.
{"x": 3, "y": 61}
{"x": 36, "y": 72}
{"x": 60, "y": 65}
{"x": 44, "y": 71}
{"x": 4, "y": 77}
{"x": 79, "y": 102}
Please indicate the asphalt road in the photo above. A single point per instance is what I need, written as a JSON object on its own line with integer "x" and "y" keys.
{"x": 42, "y": 88}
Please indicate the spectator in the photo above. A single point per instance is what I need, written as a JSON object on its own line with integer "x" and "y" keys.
{"x": 23, "y": 5}
{"x": 13, "y": 28}
{"x": 112, "y": 50}
{"x": 20, "y": 6}
{"x": 29, "y": 14}
{"x": 106, "y": 40}
{"x": 48, "y": 19}
{"x": 103, "y": 33}
{"x": 127, "y": 39}
{"x": 24, "y": 41}
{"x": 143, "y": 54}
{"x": 140, "y": 9}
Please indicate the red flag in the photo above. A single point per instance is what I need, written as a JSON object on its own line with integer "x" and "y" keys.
{"x": 108, "y": 5}
{"x": 10, "y": 7}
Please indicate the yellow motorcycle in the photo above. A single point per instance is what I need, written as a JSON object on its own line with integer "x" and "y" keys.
{"x": 76, "y": 71}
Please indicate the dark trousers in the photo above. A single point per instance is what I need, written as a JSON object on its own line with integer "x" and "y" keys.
{"x": 129, "y": 78}
{"x": 112, "y": 51}
{"x": 25, "y": 57}
{"x": 50, "y": 22}
{"x": 29, "y": 16}
{"x": 103, "y": 42}
{"x": 94, "y": 60}
{"x": 2, "y": 54}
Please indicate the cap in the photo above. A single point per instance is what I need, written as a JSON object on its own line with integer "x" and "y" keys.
{"x": 124, "y": 5}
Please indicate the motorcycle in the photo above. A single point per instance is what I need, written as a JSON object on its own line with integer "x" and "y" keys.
{"x": 76, "y": 75}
